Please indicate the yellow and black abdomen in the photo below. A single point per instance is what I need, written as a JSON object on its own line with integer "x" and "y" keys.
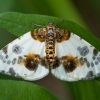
{"x": 50, "y": 47}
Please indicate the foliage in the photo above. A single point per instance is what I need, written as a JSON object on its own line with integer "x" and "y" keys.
{"x": 18, "y": 24}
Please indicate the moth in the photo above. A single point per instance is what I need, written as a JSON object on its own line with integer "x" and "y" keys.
{"x": 50, "y": 48}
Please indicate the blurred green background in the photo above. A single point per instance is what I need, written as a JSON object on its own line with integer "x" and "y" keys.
{"x": 84, "y": 13}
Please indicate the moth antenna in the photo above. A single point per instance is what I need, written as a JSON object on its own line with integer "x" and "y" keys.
{"x": 60, "y": 22}
{"x": 37, "y": 25}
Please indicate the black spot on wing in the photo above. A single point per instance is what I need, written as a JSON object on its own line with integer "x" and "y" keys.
{"x": 30, "y": 64}
{"x": 96, "y": 62}
{"x": 4, "y": 60}
{"x": 82, "y": 61}
{"x": 92, "y": 64}
{"x": 14, "y": 61}
{"x": 5, "y": 49}
{"x": 87, "y": 62}
{"x": 95, "y": 52}
{"x": 6, "y": 57}
{"x": 44, "y": 61}
{"x": 20, "y": 59}
{"x": 85, "y": 59}
{"x": 83, "y": 50}
{"x": 56, "y": 62}
{"x": 12, "y": 72}
{"x": 16, "y": 49}
{"x": 31, "y": 61}
{"x": 90, "y": 75}
{"x": 69, "y": 64}
{"x": 2, "y": 71}
{"x": 98, "y": 58}
{"x": 1, "y": 56}
{"x": 8, "y": 62}
{"x": 93, "y": 57}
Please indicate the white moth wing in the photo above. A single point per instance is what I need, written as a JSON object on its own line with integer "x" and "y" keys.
{"x": 91, "y": 59}
{"x": 60, "y": 72}
{"x": 24, "y": 45}
{"x": 78, "y": 48}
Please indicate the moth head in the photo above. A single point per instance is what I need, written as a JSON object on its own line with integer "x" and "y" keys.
{"x": 51, "y": 25}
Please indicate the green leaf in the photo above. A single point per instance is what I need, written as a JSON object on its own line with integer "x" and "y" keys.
{"x": 19, "y": 90}
{"x": 85, "y": 90}
{"x": 18, "y": 24}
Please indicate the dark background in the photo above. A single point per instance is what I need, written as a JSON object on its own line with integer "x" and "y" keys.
{"x": 84, "y": 13}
